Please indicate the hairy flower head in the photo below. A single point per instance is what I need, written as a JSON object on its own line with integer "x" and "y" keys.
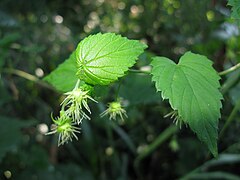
{"x": 75, "y": 101}
{"x": 114, "y": 109}
{"x": 64, "y": 126}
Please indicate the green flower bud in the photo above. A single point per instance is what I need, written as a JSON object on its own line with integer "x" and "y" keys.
{"x": 65, "y": 128}
{"x": 114, "y": 109}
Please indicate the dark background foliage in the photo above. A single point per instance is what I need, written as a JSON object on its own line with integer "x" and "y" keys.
{"x": 36, "y": 36}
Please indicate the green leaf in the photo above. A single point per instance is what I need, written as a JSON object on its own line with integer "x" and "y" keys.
{"x": 235, "y": 8}
{"x": 103, "y": 58}
{"x": 10, "y": 134}
{"x": 192, "y": 89}
{"x": 8, "y": 39}
{"x": 64, "y": 78}
{"x": 138, "y": 89}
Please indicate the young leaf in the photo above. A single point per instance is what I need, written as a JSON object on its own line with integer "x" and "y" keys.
{"x": 192, "y": 89}
{"x": 64, "y": 78}
{"x": 103, "y": 58}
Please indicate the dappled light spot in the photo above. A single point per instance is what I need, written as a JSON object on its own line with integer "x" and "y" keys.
{"x": 39, "y": 72}
{"x": 42, "y": 128}
{"x": 109, "y": 151}
{"x": 121, "y": 6}
{"x": 43, "y": 18}
{"x": 58, "y": 19}
{"x": 141, "y": 148}
{"x": 7, "y": 174}
{"x": 179, "y": 50}
{"x": 136, "y": 10}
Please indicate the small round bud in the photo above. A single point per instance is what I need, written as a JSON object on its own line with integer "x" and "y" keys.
{"x": 114, "y": 109}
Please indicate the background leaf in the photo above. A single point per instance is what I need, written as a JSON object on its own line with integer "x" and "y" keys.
{"x": 11, "y": 142}
{"x": 202, "y": 172}
{"x": 235, "y": 8}
{"x": 192, "y": 89}
{"x": 137, "y": 88}
{"x": 103, "y": 58}
{"x": 64, "y": 78}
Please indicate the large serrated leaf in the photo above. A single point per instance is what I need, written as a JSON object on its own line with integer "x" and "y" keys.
{"x": 192, "y": 89}
{"x": 103, "y": 58}
{"x": 64, "y": 78}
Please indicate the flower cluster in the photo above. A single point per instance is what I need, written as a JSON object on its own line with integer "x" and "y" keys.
{"x": 72, "y": 113}
{"x": 75, "y": 101}
{"x": 74, "y": 110}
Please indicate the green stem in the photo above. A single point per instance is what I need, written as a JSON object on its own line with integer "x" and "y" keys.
{"x": 167, "y": 133}
{"x": 230, "y": 118}
{"x": 231, "y": 69}
{"x": 77, "y": 84}
{"x": 27, "y": 76}
{"x": 230, "y": 82}
{"x": 139, "y": 71}
{"x": 118, "y": 89}
{"x": 124, "y": 137}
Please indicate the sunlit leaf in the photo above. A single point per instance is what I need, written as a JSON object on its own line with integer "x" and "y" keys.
{"x": 103, "y": 58}
{"x": 64, "y": 78}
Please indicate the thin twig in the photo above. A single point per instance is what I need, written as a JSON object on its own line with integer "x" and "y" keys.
{"x": 162, "y": 137}
{"x": 231, "y": 69}
{"x": 27, "y": 76}
{"x": 230, "y": 118}
{"x": 222, "y": 73}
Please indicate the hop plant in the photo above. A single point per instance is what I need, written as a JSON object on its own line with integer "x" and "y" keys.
{"x": 191, "y": 86}
{"x": 75, "y": 101}
{"x": 115, "y": 109}
{"x": 64, "y": 126}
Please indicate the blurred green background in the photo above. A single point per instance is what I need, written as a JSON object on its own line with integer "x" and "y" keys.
{"x": 36, "y": 36}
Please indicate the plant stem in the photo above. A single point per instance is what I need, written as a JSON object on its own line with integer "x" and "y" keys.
{"x": 118, "y": 89}
{"x": 230, "y": 118}
{"x": 155, "y": 144}
{"x": 124, "y": 137}
{"x": 139, "y": 71}
{"x": 231, "y": 69}
{"x": 230, "y": 82}
{"x": 27, "y": 76}
{"x": 77, "y": 84}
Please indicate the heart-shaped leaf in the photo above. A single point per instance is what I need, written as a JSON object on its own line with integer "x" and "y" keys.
{"x": 192, "y": 87}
